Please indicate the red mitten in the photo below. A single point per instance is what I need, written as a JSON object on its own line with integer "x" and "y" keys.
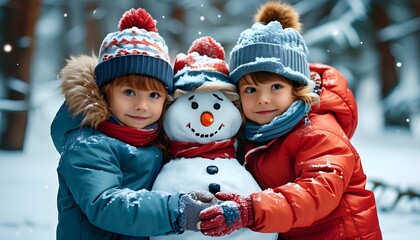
{"x": 233, "y": 213}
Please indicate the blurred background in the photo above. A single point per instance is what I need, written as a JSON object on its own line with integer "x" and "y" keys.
{"x": 374, "y": 43}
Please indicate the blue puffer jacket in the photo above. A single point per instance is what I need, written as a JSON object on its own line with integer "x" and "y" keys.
{"x": 103, "y": 182}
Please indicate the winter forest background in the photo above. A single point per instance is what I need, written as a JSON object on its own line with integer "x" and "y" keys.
{"x": 374, "y": 43}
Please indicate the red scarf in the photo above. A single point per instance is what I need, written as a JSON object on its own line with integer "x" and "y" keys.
{"x": 222, "y": 149}
{"x": 132, "y": 136}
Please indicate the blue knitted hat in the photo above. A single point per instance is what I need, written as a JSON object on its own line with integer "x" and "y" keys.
{"x": 271, "y": 48}
{"x": 136, "y": 49}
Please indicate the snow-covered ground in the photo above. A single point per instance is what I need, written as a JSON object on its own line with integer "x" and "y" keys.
{"x": 28, "y": 181}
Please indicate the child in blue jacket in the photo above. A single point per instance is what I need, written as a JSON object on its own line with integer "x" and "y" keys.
{"x": 108, "y": 134}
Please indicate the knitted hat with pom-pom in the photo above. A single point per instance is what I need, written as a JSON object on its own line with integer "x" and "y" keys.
{"x": 204, "y": 63}
{"x": 136, "y": 49}
{"x": 272, "y": 44}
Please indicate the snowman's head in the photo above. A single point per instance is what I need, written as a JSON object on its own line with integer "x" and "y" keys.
{"x": 202, "y": 117}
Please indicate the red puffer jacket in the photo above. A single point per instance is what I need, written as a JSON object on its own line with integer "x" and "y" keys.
{"x": 314, "y": 177}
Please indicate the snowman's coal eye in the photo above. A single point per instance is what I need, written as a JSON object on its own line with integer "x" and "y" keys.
{"x": 194, "y": 105}
{"x": 216, "y": 106}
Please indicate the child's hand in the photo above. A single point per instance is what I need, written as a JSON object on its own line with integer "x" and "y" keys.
{"x": 190, "y": 206}
{"x": 234, "y": 213}
{"x": 205, "y": 197}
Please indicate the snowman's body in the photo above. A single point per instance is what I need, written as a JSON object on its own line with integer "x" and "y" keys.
{"x": 187, "y": 120}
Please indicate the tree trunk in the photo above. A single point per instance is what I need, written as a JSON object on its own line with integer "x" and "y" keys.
{"x": 388, "y": 73}
{"x": 18, "y": 24}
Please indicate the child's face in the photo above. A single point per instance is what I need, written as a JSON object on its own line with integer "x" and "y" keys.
{"x": 261, "y": 103}
{"x": 136, "y": 108}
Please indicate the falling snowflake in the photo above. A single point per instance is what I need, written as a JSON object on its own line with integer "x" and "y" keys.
{"x": 7, "y": 48}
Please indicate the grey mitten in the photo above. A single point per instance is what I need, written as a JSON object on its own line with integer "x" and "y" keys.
{"x": 203, "y": 196}
{"x": 190, "y": 206}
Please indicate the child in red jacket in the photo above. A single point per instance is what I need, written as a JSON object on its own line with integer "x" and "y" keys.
{"x": 303, "y": 157}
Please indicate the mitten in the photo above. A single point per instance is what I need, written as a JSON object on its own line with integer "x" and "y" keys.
{"x": 234, "y": 213}
{"x": 204, "y": 196}
{"x": 190, "y": 206}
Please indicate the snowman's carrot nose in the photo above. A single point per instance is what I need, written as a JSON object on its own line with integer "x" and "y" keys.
{"x": 207, "y": 119}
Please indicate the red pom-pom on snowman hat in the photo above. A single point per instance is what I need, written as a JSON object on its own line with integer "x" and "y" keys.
{"x": 209, "y": 47}
{"x": 205, "y": 54}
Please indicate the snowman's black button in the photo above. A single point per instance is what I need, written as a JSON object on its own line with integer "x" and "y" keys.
{"x": 212, "y": 169}
{"x": 214, "y": 188}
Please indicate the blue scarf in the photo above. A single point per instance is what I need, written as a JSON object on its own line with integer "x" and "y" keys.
{"x": 279, "y": 126}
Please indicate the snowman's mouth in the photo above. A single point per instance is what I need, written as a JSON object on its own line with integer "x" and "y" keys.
{"x": 204, "y": 135}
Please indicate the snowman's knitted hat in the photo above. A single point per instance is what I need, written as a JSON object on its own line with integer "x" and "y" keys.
{"x": 272, "y": 44}
{"x": 204, "y": 63}
{"x": 136, "y": 49}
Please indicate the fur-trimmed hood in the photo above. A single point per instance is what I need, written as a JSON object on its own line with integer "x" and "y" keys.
{"x": 84, "y": 104}
{"x": 81, "y": 92}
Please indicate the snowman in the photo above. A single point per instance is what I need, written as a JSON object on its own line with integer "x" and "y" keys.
{"x": 201, "y": 124}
